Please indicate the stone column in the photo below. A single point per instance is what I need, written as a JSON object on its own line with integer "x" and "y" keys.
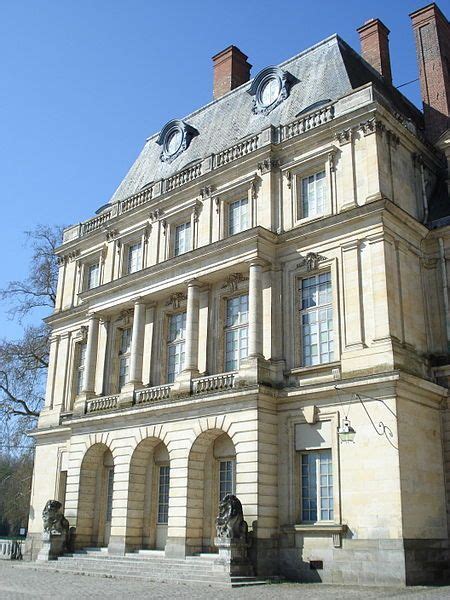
{"x": 192, "y": 322}
{"x": 91, "y": 355}
{"x": 137, "y": 343}
{"x": 255, "y": 310}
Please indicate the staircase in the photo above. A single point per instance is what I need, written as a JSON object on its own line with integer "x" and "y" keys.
{"x": 147, "y": 565}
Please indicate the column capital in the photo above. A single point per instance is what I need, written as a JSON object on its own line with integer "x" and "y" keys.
{"x": 138, "y": 300}
{"x": 193, "y": 283}
{"x": 258, "y": 262}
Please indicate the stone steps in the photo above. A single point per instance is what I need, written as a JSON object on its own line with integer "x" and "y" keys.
{"x": 146, "y": 566}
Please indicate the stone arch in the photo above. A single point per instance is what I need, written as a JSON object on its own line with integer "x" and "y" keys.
{"x": 210, "y": 448}
{"x": 95, "y": 496}
{"x": 146, "y": 527}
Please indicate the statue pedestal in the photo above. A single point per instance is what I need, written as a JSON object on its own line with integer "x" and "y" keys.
{"x": 233, "y": 557}
{"x": 52, "y": 546}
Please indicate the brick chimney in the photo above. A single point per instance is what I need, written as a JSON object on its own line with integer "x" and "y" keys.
{"x": 432, "y": 36}
{"x": 231, "y": 70}
{"x": 374, "y": 39}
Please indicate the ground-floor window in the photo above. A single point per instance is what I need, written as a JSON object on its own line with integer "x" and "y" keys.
{"x": 163, "y": 494}
{"x": 226, "y": 478}
{"x": 316, "y": 486}
{"x": 109, "y": 495}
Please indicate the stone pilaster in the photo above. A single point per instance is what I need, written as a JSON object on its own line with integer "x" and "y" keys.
{"x": 88, "y": 390}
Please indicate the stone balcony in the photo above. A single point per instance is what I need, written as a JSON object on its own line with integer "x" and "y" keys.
{"x": 208, "y": 384}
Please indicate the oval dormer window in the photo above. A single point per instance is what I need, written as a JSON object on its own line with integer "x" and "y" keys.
{"x": 175, "y": 138}
{"x": 269, "y": 88}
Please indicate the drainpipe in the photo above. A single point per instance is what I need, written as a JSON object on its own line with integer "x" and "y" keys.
{"x": 445, "y": 287}
{"x": 424, "y": 194}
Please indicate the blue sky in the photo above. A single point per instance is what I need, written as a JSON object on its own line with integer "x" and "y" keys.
{"x": 83, "y": 83}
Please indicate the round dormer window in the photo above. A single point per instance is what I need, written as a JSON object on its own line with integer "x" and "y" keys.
{"x": 269, "y": 88}
{"x": 269, "y": 91}
{"x": 173, "y": 141}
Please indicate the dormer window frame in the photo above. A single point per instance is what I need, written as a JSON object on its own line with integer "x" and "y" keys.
{"x": 179, "y": 130}
{"x": 269, "y": 76}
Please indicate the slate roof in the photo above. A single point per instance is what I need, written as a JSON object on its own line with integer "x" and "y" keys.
{"x": 326, "y": 71}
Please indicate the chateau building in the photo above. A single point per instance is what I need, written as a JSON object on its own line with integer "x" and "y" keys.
{"x": 262, "y": 309}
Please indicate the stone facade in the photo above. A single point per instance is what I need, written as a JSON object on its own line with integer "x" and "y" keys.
{"x": 114, "y": 424}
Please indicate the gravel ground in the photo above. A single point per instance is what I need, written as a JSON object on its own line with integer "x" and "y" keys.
{"x": 18, "y": 581}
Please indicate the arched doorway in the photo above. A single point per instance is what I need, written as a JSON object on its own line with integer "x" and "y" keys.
{"x": 148, "y": 496}
{"x": 211, "y": 475}
{"x": 95, "y": 497}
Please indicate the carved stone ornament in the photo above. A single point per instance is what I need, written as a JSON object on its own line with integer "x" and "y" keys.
{"x": 103, "y": 253}
{"x": 311, "y": 261}
{"x": 61, "y": 260}
{"x": 392, "y": 138}
{"x": 126, "y": 316}
{"x": 196, "y": 211}
{"x": 288, "y": 176}
{"x": 230, "y": 522}
{"x": 111, "y": 234}
{"x": 176, "y": 299}
{"x": 175, "y": 138}
{"x": 206, "y": 192}
{"x": 233, "y": 280}
{"x": 269, "y": 89}
{"x": 155, "y": 215}
{"x": 344, "y": 136}
{"x": 372, "y": 125}
{"x": 83, "y": 334}
{"x": 267, "y": 165}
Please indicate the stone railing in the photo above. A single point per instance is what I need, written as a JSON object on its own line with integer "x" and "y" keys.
{"x": 136, "y": 200}
{"x": 309, "y": 121}
{"x": 11, "y": 549}
{"x": 153, "y": 394}
{"x": 298, "y": 126}
{"x": 214, "y": 383}
{"x": 237, "y": 151}
{"x": 103, "y": 403}
{"x": 183, "y": 177}
{"x": 97, "y": 222}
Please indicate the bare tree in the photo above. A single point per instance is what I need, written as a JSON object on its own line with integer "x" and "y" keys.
{"x": 24, "y": 362}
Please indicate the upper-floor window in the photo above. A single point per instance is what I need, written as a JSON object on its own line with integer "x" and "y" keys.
{"x": 176, "y": 345}
{"x": 93, "y": 276}
{"x": 236, "y": 333}
{"x": 163, "y": 494}
{"x": 238, "y": 217}
{"x": 316, "y": 319}
{"x": 81, "y": 359}
{"x": 313, "y": 195}
{"x": 124, "y": 356}
{"x": 316, "y": 486}
{"x": 134, "y": 257}
{"x": 182, "y": 238}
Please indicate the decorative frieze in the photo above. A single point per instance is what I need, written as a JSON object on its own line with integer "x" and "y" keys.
{"x": 344, "y": 136}
{"x": 176, "y": 299}
{"x": 267, "y": 165}
{"x": 311, "y": 261}
{"x": 372, "y": 125}
{"x": 206, "y": 192}
{"x": 233, "y": 280}
{"x": 156, "y": 214}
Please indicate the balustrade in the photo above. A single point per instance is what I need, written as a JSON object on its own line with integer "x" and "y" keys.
{"x": 103, "y": 403}
{"x": 153, "y": 394}
{"x": 214, "y": 383}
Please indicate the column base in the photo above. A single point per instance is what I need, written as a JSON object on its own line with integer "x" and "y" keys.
{"x": 126, "y": 397}
{"x": 79, "y": 406}
{"x": 255, "y": 370}
{"x": 53, "y": 545}
{"x": 175, "y": 547}
{"x": 233, "y": 557}
{"x": 183, "y": 383}
{"x": 117, "y": 545}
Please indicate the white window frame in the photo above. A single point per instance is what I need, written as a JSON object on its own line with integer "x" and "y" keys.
{"x": 241, "y": 226}
{"x": 320, "y": 475}
{"x": 163, "y": 495}
{"x": 232, "y": 471}
{"x": 234, "y": 329}
{"x": 312, "y": 211}
{"x": 80, "y": 367}
{"x": 124, "y": 358}
{"x": 129, "y": 260}
{"x": 178, "y": 344}
{"x": 305, "y": 358}
{"x": 187, "y": 246}
{"x": 88, "y": 268}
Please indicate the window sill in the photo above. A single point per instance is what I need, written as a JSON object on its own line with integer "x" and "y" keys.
{"x": 315, "y": 368}
{"x": 319, "y": 528}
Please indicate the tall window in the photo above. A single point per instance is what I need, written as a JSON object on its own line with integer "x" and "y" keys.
{"x": 93, "y": 276}
{"x": 109, "y": 494}
{"x": 236, "y": 334}
{"x": 317, "y": 486}
{"x": 182, "y": 238}
{"x": 226, "y": 478}
{"x": 134, "y": 258}
{"x": 313, "y": 195}
{"x": 316, "y": 318}
{"x": 80, "y": 368}
{"x": 238, "y": 216}
{"x": 175, "y": 349}
{"x": 124, "y": 357}
{"x": 163, "y": 494}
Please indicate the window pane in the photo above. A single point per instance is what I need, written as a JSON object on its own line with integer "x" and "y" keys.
{"x": 238, "y": 216}
{"x": 134, "y": 257}
{"x": 317, "y": 486}
{"x": 316, "y": 318}
{"x": 182, "y": 238}
{"x": 313, "y": 191}
{"x": 93, "y": 276}
{"x": 163, "y": 494}
{"x": 80, "y": 370}
{"x": 109, "y": 496}
{"x": 236, "y": 335}
{"x": 226, "y": 483}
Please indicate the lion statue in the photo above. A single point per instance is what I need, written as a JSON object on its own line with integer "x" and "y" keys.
{"x": 230, "y": 521}
{"x": 55, "y": 521}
